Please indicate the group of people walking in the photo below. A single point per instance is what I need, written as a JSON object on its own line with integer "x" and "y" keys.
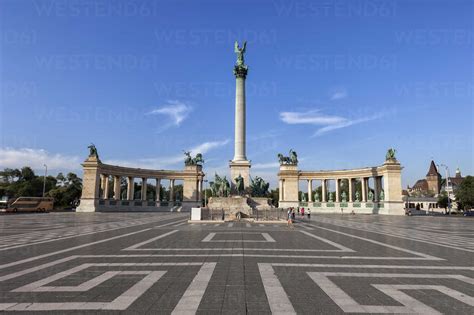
{"x": 291, "y": 215}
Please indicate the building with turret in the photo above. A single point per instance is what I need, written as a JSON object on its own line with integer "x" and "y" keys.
{"x": 430, "y": 185}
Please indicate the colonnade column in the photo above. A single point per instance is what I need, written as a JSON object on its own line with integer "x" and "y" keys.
{"x": 158, "y": 190}
{"x": 351, "y": 188}
{"x": 102, "y": 185}
{"x": 171, "y": 190}
{"x": 144, "y": 189}
{"x": 376, "y": 189}
{"x": 323, "y": 190}
{"x": 364, "y": 189}
{"x": 310, "y": 190}
{"x": 199, "y": 194}
{"x": 117, "y": 188}
{"x": 338, "y": 186}
{"x": 130, "y": 188}
{"x": 106, "y": 187}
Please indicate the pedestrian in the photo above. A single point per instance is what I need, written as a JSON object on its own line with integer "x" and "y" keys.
{"x": 298, "y": 210}
{"x": 302, "y": 213}
{"x": 293, "y": 215}
{"x": 289, "y": 220}
{"x": 309, "y": 214}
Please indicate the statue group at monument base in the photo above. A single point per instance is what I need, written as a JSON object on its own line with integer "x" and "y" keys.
{"x": 236, "y": 207}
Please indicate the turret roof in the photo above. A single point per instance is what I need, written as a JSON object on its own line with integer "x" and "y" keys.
{"x": 433, "y": 171}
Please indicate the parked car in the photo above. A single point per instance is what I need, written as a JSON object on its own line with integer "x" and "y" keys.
{"x": 469, "y": 213}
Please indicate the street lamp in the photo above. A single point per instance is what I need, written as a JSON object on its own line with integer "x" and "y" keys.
{"x": 205, "y": 193}
{"x": 44, "y": 180}
{"x": 447, "y": 189}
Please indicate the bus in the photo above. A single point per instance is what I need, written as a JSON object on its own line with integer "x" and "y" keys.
{"x": 31, "y": 204}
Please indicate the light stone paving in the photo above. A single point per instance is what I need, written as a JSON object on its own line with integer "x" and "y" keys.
{"x": 327, "y": 265}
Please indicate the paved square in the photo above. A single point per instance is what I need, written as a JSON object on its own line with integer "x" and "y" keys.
{"x": 158, "y": 263}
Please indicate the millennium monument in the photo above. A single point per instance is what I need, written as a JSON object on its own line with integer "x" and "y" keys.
{"x": 370, "y": 190}
{"x": 240, "y": 166}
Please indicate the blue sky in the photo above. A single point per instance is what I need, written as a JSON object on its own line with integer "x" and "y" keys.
{"x": 338, "y": 81}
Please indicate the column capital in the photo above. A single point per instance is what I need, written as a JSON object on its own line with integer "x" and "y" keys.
{"x": 241, "y": 71}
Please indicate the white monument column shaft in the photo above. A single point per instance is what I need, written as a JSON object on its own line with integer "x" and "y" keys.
{"x": 240, "y": 124}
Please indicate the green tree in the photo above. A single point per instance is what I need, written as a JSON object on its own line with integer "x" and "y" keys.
{"x": 61, "y": 179}
{"x": 465, "y": 193}
{"x": 443, "y": 200}
{"x": 27, "y": 174}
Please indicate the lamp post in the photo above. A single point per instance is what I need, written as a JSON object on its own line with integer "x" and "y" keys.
{"x": 205, "y": 193}
{"x": 44, "y": 180}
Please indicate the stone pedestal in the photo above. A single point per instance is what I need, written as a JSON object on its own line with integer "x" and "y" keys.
{"x": 241, "y": 168}
{"x": 290, "y": 176}
{"x": 231, "y": 206}
{"x": 392, "y": 177}
{"x": 90, "y": 185}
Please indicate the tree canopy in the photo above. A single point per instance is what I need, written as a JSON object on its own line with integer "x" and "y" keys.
{"x": 465, "y": 193}
{"x": 25, "y": 183}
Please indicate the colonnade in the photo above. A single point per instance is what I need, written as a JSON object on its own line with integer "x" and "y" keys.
{"x": 130, "y": 195}
{"x": 384, "y": 197}
{"x": 97, "y": 195}
{"x": 352, "y": 196}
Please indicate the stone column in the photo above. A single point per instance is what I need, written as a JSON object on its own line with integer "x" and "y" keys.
{"x": 199, "y": 194}
{"x": 351, "y": 190}
{"x": 324, "y": 196}
{"x": 240, "y": 166}
{"x": 338, "y": 187}
{"x": 130, "y": 188}
{"x": 144, "y": 183}
{"x": 158, "y": 189}
{"x": 364, "y": 189}
{"x": 105, "y": 187}
{"x": 117, "y": 188}
{"x": 103, "y": 183}
{"x": 240, "y": 124}
{"x": 171, "y": 190}
{"x": 376, "y": 189}
{"x": 310, "y": 190}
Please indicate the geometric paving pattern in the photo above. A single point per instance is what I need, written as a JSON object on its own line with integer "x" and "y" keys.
{"x": 159, "y": 263}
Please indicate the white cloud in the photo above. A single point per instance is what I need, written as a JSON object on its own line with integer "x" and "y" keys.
{"x": 339, "y": 94}
{"x": 345, "y": 124}
{"x": 329, "y": 122}
{"x": 36, "y": 158}
{"x": 176, "y": 111}
{"x": 313, "y": 117}
{"x": 164, "y": 162}
{"x": 208, "y": 146}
